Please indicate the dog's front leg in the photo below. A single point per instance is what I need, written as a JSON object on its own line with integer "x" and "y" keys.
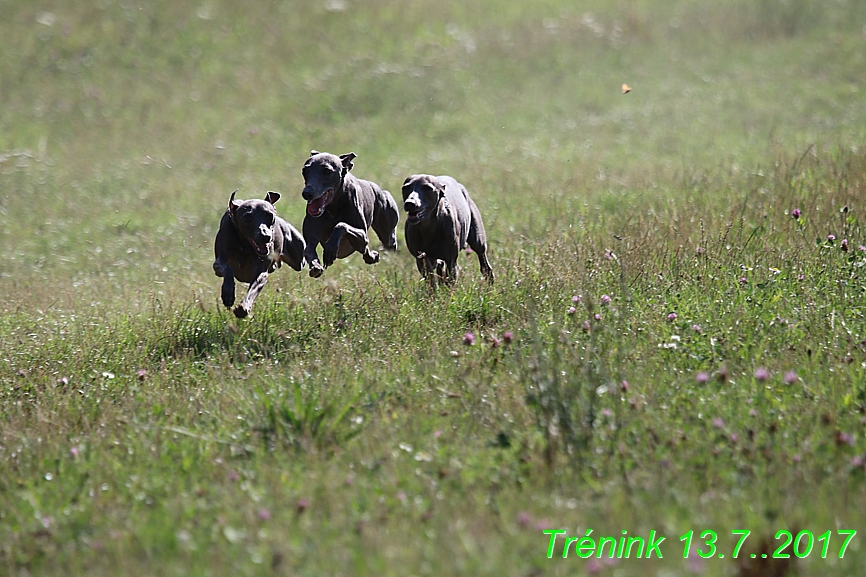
{"x": 246, "y": 306}
{"x": 222, "y": 268}
{"x": 312, "y": 233}
{"x": 357, "y": 239}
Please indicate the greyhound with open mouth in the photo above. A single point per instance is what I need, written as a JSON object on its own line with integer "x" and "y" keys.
{"x": 341, "y": 209}
{"x": 442, "y": 220}
{"x": 251, "y": 243}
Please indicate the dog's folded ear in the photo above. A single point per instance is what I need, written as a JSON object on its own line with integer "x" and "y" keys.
{"x": 347, "y": 159}
{"x": 314, "y": 152}
{"x": 234, "y": 204}
{"x": 272, "y": 197}
{"x": 441, "y": 188}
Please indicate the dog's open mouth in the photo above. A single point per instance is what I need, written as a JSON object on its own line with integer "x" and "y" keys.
{"x": 262, "y": 248}
{"x": 316, "y": 207}
{"x": 417, "y": 215}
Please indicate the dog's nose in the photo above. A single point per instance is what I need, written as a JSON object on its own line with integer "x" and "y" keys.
{"x": 412, "y": 203}
{"x": 309, "y": 193}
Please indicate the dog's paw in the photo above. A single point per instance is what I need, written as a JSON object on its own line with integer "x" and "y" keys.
{"x": 371, "y": 257}
{"x": 316, "y": 270}
{"x": 241, "y": 312}
{"x": 228, "y": 296}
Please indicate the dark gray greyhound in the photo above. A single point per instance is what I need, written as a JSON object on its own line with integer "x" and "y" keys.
{"x": 340, "y": 211}
{"x": 251, "y": 243}
{"x": 442, "y": 220}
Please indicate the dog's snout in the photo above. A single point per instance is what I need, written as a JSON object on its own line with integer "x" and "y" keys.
{"x": 412, "y": 203}
{"x": 309, "y": 193}
{"x": 265, "y": 232}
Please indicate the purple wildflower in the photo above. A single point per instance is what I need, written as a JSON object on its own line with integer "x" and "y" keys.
{"x": 702, "y": 377}
{"x": 718, "y": 423}
{"x": 844, "y": 245}
{"x": 577, "y": 299}
{"x": 586, "y": 326}
{"x": 543, "y": 525}
{"x": 571, "y": 310}
{"x": 790, "y": 378}
{"x": 761, "y": 374}
{"x": 795, "y": 213}
{"x": 672, "y": 317}
{"x": 469, "y": 339}
{"x": 831, "y": 237}
{"x": 605, "y": 300}
{"x": 508, "y": 337}
{"x": 844, "y": 439}
{"x": 598, "y": 317}
{"x": 697, "y": 328}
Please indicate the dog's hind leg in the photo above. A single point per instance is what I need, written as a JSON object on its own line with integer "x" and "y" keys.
{"x": 385, "y": 219}
{"x": 477, "y": 241}
{"x": 486, "y": 269}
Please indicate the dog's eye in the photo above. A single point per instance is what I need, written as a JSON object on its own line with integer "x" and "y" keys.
{"x": 247, "y": 217}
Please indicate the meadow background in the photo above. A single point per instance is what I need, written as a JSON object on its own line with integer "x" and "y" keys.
{"x": 710, "y": 374}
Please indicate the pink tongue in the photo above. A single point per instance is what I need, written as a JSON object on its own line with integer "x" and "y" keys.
{"x": 315, "y": 207}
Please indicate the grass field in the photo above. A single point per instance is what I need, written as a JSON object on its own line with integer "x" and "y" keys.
{"x": 667, "y": 347}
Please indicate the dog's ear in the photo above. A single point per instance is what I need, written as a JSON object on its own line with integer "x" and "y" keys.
{"x": 441, "y": 188}
{"x": 272, "y": 197}
{"x": 314, "y": 152}
{"x": 347, "y": 159}
{"x": 233, "y": 204}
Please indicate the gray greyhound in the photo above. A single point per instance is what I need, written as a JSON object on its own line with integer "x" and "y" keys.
{"x": 252, "y": 242}
{"x": 340, "y": 211}
{"x": 442, "y": 220}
